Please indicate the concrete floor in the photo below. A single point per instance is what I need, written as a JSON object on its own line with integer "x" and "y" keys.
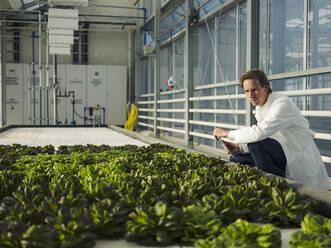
{"x": 286, "y": 237}
{"x": 66, "y": 136}
{"x": 97, "y": 136}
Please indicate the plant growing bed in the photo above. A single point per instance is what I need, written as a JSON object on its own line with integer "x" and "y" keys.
{"x": 154, "y": 195}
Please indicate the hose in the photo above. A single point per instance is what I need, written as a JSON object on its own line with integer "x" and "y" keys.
{"x": 132, "y": 117}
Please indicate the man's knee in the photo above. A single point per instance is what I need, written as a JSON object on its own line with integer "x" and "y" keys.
{"x": 256, "y": 146}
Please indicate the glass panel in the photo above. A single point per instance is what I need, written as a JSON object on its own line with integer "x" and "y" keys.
{"x": 319, "y": 81}
{"x": 150, "y": 8}
{"x": 226, "y": 47}
{"x": 209, "y": 7}
{"x": 179, "y": 19}
{"x": 290, "y": 85}
{"x": 165, "y": 30}
{"x": 165, "y": 66}
{"x": 203, "y": 55}
{"x": 151, "y": 74}
{"x": 203, "y": 130}
{"x": 287, "y": 84}
{"x": 179, "y": 63}
{"x": 319, "y": 33}
{"x": 242, "y": 38}
{"x": 286, "y": 25}
{"x": 144, "y": 65}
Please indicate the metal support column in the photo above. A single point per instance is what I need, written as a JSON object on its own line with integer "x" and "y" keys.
{"x": 47, "y": 79}
{"x": 40, "y": 72}
{"x": 138, "y": 69}
{"x": 305, "y": 51}
{"x": 3, "y": 113}
{"x": 252, "y": 47}
{"x": 157, "y": 64}
{"x": 130, "y": 90}
{"x": 188, "y": 73}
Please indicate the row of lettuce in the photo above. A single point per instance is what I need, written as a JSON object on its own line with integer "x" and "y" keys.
{"x": 154, "y": 195}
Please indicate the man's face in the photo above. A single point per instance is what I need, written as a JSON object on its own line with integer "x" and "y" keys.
{"x": 257, "y": 95}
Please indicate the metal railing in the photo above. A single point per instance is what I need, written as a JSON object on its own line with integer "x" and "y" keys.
{"x": 147, "y": 107}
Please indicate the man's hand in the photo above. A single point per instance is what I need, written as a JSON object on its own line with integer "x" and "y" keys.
{"x": 219, "y": 132}
{"x": 230, "y": 147}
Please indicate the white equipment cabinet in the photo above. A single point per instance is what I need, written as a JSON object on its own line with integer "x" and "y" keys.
{"x": 103, "y": 85}
{"x": 14, "y": 93}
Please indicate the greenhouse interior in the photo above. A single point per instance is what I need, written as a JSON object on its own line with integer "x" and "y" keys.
{"x": 165, "y": 123}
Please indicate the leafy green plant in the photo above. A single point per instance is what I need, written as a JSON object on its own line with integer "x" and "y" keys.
{"x": 157, "y": 224}
{"x": 86, "y": 191}
{"x": 17, "y": 234}
{"x": 200, "y": 223}
{"x": 74, "y": 227}
{"x": 286, "y": 207}
{"x": 242, "y": 234}
{"x": 316, "y": 233}
{"x": 313, "y": 223}
{"x": 110, "y": 218}
{"x": 237, "y": 202}
{"x": 309, "y": 240}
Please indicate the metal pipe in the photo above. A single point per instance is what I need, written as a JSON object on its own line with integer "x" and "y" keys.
{"x": 112, "y": 6}
{"x": 20, "y": 11}
{"x": 29, "y": 90}
{"x": 84, "y": 115}
{"x": 112, "y": 16}
{"x": 104, "y": 116}
{"x": 111, "y": 23}
{"x": 40, "y": 72}
{"x": 145, "y": 24}
{"x": 73, "y": 122}
{"x": 18, "y": 21}
{"x": 33, "y": 81}
{"x": 47, "y": 80}
{"x": 54, "y": 89}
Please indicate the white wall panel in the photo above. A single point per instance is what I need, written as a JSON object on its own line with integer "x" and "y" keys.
{"x": 108, "y": 48}
{"x": 96, "y": 85}
{"x": 14, "y": 93}
{"x": 116, "y": 95}
{"x": 76, "y": 81}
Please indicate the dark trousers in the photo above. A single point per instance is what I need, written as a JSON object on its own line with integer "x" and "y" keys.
{"x": 266, "y": 154}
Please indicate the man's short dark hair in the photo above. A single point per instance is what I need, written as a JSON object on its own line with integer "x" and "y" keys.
{"x": 257, "y": 74}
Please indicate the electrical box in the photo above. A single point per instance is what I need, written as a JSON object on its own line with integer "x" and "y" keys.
{"x": 96, "y": 86}
{"x": 14, "y": 93}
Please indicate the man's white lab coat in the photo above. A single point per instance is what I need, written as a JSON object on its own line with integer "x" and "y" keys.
{"x": 280, "y": 119}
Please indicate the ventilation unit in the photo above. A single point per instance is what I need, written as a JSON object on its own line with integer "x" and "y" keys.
{"x": 61, "y": 26}
{"x": 83, "y": 3}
